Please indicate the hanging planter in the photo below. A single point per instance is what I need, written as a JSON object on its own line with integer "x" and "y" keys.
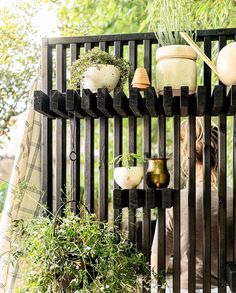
{"x": 98, "y": 69}
{"x": 128, "y": 176}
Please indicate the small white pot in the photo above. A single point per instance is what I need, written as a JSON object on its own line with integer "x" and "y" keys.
{"x": 128, "y": 178}
{"x": 176, "y": 67}
{"x": 106, "y": 76}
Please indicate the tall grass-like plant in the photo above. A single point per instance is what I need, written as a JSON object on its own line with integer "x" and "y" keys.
{"x": 174, "y": 17}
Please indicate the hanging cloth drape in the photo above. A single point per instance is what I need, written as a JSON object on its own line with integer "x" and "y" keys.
{"x": 23, "y": 193}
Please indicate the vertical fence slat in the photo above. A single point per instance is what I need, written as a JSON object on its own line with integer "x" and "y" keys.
{"x": 207, "y": 204}
{"x": 132, "y": 139}
{"x": 176, "y": 208}
{"x": 146, "y": 226}
{"x": 117, "y": 133}
{"x": 234, "y": 186}
{"x": 206, "y": 69}
{"x": 161, "y": 212}
{"x": 75, "y": 146}
{"x": 222, "y": 203}
{"x": 60, "y": 130}
{"x": 46, "y": 133}
{"x": 192, "y": 206}
{"x": 89, "y": 157}
{"x": 103, "y": 161}
{"x": 222, "y": 194}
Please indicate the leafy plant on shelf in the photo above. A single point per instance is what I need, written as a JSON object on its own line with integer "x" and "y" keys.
{"x": 174, "y": 17}
{"x": 127, "y": 159}
{"x": 76, "y": 254}
{"x": 97, "y": 57}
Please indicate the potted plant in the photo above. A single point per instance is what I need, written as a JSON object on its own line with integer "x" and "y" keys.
{"x": 176, "y": 61}
{"x": 99, "y": 69}
{"x": 127, "y": 176}
{"x": 76, "y": 254}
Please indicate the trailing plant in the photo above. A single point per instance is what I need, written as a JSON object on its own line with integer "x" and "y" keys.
{"x": 174, "y": 17}
{"x": 127, "y": 159}
{"x": 77, "y": 255}
{"x": 97, "y": 57}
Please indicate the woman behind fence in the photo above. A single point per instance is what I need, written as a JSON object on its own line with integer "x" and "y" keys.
{"x": 199, "y": 214}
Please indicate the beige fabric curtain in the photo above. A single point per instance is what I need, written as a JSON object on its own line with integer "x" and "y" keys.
{"x": 21, "y": 205}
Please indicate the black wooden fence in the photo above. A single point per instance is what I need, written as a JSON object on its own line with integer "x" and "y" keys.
{"x": 58, "y": 104}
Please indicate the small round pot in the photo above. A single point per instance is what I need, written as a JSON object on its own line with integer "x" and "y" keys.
{"x": 128, "y": 178}
{"x": 106, "y": 76}
{"x": 176, "y": 67}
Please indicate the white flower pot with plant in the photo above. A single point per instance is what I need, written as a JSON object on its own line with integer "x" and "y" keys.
{"x": 127, "y": 176}
{"x": 99, "y": 69}
{"x": 176, "y": 61}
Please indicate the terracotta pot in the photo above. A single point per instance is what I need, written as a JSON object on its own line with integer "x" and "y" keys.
{"x": 128, "y": 178}
{"x": 226, "y": 64}
{"x": 176, "y": 67}
{"x": 141, "y": 79}
{"x": 106, "y": 76}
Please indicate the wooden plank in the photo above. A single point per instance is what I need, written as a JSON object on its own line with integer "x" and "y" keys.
{"x": 168, "y": 100}
{"x": 121, "y": 103}
{"x": 132, "y": 149}
{"x": 58, "y": 104}
{"x": 192, "y": 206}
{"x": 105, "y": 103}
{"x": 103, "y": 170}
{"x": 89, "y": 103}
{"x": 60, "y": 130}
{"x": 222, "y": 204}
{"x": 176, "y": 208}
{"x": 148, "y": 57}
{"x": 146, "y": 226}
{"x": 161, "y": 212}
{"x": 89, "y": 164}
{"x": 46, "y": 130}
{"x": 207, "y": 203}
{"x": 151, "y": 101}
{"x": 132, "y": 138}
{"x": 42, "y": 104}
{"x": 206, "y": 69}
{"x": 201, "y": 101}
{"x": 136, "y": 104}
{"x": 73, "y": 104}
{"x": 117, "y": 216}
{"x": 184, "y": 101}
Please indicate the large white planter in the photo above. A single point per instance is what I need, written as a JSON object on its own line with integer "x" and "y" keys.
{"x": 176, "y": 67}
{"x": 128, "y": 178}
{"x": 106, "y": 76}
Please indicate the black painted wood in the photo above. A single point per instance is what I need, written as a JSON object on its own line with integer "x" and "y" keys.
{"x": 60, "y": 127}
{"x": 222, "y": 203}
{"x": 192, "y": 206}
{"x": 151, "y": 101}
{"x": 89, "y": 103}
{"x": 217, "y": 99}
{"x": 120, "y": 199}
{"x": 234, "y": 187}
{"x": 206, "y": 69}
{"x": 73, "y": 104}
{"x": 232, "y": 101}
{"x": 121, "y": 103}
{"x": 136, "y": 102}
{"x": 201, "y": 101}
{"x": 58, "y": 103}
{"x": 105, "y": 103}
{"x": 207, "y": 203}
{"x": 185, "y": 101}
{"x": 168, "y": 101}
{"x": 161, "y": 212}
{"x": 103, "y": 170}
{"x": 42, "y": 104}
{"x": 176, "y": 208}
{"x": 46, "y": 138}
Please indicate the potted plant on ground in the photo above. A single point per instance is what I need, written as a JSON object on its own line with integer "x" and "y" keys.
{"x": 99, "y": 69}
{"x": 76, "y": 254}
{"x": 176, "y": 61}
{"x": 127, "y": 176}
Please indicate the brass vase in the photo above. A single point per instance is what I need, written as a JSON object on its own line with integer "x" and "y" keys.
{"x": 157, "y": 175}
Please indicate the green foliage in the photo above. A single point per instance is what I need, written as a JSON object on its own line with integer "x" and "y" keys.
{"x": 3, "y": 193}
{"x": 77, "y": 254}
{"x": 127, "y": 159}
{"x": 96, "y": 57}
{"x": 174, "y": 18}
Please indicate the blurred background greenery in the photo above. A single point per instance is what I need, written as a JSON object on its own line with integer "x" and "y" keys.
{"x": 24, "y": 22}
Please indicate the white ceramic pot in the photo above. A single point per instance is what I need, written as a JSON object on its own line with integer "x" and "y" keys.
{"x": 128, "y": 178}
{"x": 226, "y": 64}
{"x": 106, "y": 76}
{"x": 176, "y": 67}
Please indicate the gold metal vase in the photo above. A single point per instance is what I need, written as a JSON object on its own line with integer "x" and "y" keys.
{"x": 157, "y": 175}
